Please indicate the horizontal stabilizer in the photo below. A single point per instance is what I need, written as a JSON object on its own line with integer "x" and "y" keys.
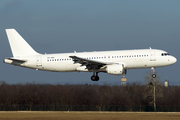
{"x": 14, "y": 61}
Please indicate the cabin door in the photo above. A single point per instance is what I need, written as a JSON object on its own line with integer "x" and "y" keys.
{"x": 153, "y": 56}
{"x": 39, "y": 61}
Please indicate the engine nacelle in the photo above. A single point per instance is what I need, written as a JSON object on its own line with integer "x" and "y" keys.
{"x": 116, "y": 69}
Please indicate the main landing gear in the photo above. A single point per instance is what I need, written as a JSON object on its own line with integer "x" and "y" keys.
{"x": 95, "y": 77}
{"x": 153, "y": 74}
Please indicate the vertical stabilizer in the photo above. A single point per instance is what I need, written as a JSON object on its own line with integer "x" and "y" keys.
{"x": 19, "y": 46}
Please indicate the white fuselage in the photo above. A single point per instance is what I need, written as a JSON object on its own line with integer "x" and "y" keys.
{"x": 111, "y": 62}
{"x": 132, "y": 59}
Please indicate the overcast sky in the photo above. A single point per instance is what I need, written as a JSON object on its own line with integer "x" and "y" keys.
{"x": 60, "y": 26}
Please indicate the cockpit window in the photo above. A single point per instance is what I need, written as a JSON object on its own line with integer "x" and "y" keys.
{"x": 164, "y": 54}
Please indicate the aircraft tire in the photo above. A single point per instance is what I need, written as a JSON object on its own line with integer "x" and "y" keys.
{"x": 154, "y": 75}
{"x": 97, "y": 78}
{"x": 93, "y": 78}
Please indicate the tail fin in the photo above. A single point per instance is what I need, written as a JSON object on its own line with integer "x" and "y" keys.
{"x": 19, "y": 46}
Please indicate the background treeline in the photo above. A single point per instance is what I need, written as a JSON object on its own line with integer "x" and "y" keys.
{"x": 47, "y": 94}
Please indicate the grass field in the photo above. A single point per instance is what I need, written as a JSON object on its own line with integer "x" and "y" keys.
{"x": 88, "y": 116}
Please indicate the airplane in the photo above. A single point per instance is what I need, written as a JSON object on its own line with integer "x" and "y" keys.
{"x": 111, "y": 62}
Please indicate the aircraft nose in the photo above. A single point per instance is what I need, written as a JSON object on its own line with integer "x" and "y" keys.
{"x": 173, "y": 60}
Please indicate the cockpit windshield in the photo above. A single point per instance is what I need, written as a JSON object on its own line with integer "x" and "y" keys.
{"x": 164, "y": 54}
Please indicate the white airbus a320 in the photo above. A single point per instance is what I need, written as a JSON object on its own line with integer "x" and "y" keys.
{"x": 111, "y": 62}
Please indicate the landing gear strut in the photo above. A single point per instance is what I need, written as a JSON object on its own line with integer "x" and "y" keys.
{"x": 95, "y": 77}
{"x": 153, "y": 74}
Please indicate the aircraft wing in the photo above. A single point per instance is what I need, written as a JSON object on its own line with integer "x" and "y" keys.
{"x": 89, "y": 63}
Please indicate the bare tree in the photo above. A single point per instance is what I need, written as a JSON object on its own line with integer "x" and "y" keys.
{"x": 153, "y": 90}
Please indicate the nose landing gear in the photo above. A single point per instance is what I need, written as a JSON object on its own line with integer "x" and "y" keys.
{"x": 153, "y": 74}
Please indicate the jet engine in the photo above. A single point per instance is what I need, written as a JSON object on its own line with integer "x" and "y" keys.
{"x": 116, "y": 69}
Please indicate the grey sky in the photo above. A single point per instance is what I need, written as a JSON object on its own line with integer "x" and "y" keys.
{"x": 58, "y": 26}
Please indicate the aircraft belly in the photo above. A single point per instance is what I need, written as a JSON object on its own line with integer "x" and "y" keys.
{"x": 139, "y": 63}
{"x": 60, "y": 67}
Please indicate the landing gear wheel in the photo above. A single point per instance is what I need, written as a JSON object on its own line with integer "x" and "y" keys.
{"x": 97, "y": 78}
{"x": 93, "y": 78}
{"x": 154, "y": 75}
